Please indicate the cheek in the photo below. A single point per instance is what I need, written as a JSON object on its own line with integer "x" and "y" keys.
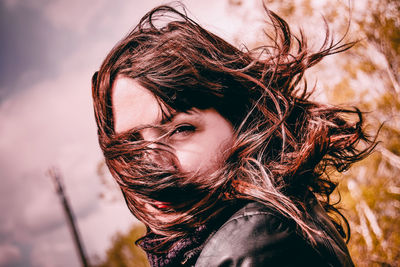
{"x": 189, "y": 161}
{"x": 205, "y": 153}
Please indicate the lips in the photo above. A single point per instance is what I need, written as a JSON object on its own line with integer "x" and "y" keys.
{"x": 162, "y": 205}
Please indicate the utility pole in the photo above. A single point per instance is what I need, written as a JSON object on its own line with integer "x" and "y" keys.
{"x": 57, "y": 180}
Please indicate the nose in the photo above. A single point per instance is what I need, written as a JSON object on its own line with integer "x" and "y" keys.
{"x": 150, "y": 134}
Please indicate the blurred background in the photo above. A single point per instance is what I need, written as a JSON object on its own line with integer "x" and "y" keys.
{"x": 49, "y": 50}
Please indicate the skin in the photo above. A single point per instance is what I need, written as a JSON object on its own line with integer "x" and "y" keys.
{"x": 198, "y": 138}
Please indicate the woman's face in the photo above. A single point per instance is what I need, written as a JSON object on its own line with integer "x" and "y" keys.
{"x": 199, "y": 138}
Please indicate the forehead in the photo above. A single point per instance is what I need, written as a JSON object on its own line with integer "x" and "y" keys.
{"x": 133, "y": 105}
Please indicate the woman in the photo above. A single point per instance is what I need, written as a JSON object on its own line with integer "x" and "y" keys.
{"x": 218, "y": 151}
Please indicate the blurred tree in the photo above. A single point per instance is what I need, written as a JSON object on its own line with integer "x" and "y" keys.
{"x": 123, "y": 251}
{"x": 367, "y": 76}
{"x": 371, "y": 189}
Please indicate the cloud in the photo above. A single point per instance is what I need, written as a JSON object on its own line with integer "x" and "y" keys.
{"x": 51, "y": 123}
{"x": 9, "y": 255}
{"x": 30, "y": 46}
{"x": 55, "y": 248}
{"x": 59, "y": 13}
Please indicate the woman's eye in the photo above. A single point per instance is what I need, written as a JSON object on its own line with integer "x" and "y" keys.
{"x": 183, "y": 130}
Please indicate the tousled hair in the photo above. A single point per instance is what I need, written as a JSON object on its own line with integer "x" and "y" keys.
{"x": 285, "y": 144}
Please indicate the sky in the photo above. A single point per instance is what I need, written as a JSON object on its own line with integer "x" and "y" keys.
{"x": 49, "y": 50}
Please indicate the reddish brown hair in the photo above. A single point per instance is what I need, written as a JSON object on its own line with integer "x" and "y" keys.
{"x": 285, "y": 144}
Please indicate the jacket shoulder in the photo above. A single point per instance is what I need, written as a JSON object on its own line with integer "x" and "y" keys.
{"x": 258, "y": 236}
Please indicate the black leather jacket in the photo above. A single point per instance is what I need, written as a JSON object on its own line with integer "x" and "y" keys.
{"x": 258, "y": 236}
